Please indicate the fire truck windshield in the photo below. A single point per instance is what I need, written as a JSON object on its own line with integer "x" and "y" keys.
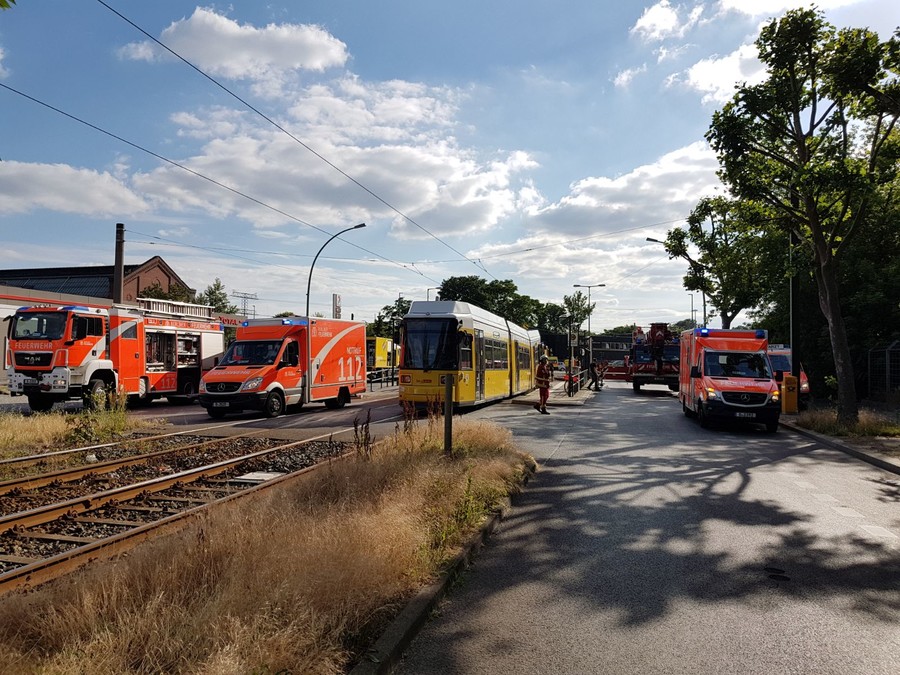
{"x": 430, "y": 344}
{"x": 40, "y": 325}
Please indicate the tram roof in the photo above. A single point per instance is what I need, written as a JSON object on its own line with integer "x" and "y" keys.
{"x": 458, "y": 309}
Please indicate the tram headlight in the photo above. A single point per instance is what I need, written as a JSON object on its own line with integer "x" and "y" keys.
{"x": 252, "y": 383}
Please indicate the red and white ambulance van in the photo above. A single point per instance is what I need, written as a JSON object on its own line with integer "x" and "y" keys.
{"x": 274, "y": 363}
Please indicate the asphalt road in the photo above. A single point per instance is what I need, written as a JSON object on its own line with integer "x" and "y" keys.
{"x": 646, "y": 544}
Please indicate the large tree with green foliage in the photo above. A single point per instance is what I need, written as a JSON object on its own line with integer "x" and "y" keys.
{"x": 216, "y": 296}
{"x": 387, "y": 322}
{"x": 807, "y": 143}
{"x": 737, "y": 258}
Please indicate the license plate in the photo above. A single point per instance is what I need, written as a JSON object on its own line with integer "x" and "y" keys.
{"x": 30, "y": 381}
{"x": 743, "y": 414}
{"x": 220, "y": 404}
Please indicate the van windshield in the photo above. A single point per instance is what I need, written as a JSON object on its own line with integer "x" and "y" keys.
{"x": 251, "y": 353}
{"x": 780, "y": 362}
{"x": 737, "y": 364}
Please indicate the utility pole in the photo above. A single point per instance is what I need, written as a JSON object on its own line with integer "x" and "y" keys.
{"x": 244, "y": 298}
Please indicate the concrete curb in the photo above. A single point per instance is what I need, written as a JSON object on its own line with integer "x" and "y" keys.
{"x": 384, "y": 655}
{"x": 881, "y": 461}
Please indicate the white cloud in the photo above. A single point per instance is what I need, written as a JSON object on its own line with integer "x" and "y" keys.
{"x": 662, "y": 21}
{"x": 778, "y": 7}
{"x": 58, "y": 187}
{"x": 222, "y": 47}
{"x": 716, "y": 78}
{"x": 3, "y": 71}
{"x": 624, "y": 78}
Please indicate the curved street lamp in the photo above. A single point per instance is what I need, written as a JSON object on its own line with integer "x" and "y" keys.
{"x": 589, "y": 287}
{"x": 309, "y": 279}
{"x": 698, "y": 268}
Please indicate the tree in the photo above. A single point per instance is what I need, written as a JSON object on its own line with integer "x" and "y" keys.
{"x": 388, "y": 319}
{"x": 806, "y": 143}
{"x": 175, "y": 292}
{"x": 216, "y": 296}
{"x": 6, "y": 4}
{"x": 738, "y": 259}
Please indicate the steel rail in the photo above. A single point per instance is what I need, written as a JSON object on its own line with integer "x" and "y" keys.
{"x": 82, "y": 470}
{"x": 50, "y": 512}
{"x": 37, "y": 572}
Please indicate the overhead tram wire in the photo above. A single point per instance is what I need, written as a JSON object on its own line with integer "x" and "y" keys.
{"x": 198, "y": 174}
{"x": 292, "y": 137}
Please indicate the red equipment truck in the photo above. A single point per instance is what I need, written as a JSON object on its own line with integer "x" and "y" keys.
{"x": 726, "y": 375}
{"x": 654, "y": 358}
{"x": 285, "y": 361}
{"x": 156, "y": 348}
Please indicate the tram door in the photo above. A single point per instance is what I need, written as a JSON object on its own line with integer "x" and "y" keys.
{"x": 515, "y": 365}
{"x": 479, "y": 365}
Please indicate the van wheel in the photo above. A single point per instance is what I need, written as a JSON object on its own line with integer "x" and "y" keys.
{"x": 772, "y": 427}
{"x": 343, "y": 398}
{"x": 687, "y": 411}
{"x": 702, "y": 416}
{"x": 274, "y": 404}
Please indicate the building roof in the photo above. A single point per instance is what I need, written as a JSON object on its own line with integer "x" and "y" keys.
{"x": 91, "y": 280}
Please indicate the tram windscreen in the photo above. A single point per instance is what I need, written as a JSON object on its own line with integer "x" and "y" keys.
{"x": 430, "y": 344}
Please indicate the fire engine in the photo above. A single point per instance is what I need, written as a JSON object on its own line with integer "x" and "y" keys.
{"x": 152, "y": 349}
{"x": 654, "y": 358}
{"x": 726, "y": 375}
{"x": 285, "y": 361}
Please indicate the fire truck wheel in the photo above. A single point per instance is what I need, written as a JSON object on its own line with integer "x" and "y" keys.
{"x": 274, "y": 404}
{"x": 39, "y": 403}
{"x": 95, "y": 394}
{"x": 637, "y": 387}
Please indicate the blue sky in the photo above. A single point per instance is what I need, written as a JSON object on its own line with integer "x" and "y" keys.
{"x": 534, "y": 141}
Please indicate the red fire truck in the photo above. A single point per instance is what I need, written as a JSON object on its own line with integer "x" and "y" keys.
{"x": 156, "y": 348}
{"x": 653, "y": 358}
{"x": 285, "y": 361}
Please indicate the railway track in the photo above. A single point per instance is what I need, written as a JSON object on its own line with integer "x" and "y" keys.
{"x": 54, "y": 523}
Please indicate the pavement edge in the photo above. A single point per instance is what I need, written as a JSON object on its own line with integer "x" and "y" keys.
{"x": 881, "y": 461}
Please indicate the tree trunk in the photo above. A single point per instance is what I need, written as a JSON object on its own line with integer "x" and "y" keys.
{"x": 826, "y": 279}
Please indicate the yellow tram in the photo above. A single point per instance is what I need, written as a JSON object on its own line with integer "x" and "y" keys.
{"x": 489, "y": 357}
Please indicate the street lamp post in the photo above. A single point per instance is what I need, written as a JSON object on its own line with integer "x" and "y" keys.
{"x": 589, "y": 287}
{"x": 309, "y": 279}
{"x": 698, "y": 269}
{"x": 590, "y": 335}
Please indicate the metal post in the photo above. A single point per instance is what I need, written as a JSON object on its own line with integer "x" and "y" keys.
{"x": 448, "y": 415}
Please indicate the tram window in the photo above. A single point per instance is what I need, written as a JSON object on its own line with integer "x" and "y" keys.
{"x": 465, "y": 351}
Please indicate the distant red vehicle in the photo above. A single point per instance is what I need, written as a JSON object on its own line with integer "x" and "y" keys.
{"x": 780, "y": 358}
{"x": 615, "y": 370}
{"x": 654, "y": 358}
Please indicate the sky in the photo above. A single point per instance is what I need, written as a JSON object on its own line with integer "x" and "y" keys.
{"x": 532, "y": 141}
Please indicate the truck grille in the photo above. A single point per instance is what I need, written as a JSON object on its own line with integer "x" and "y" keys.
{"x": 34, "y": 359}
{"x": 744, "y": 398}
{"x": 223, "y": 387}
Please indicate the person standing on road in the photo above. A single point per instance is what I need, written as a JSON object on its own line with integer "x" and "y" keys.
{"x": 543, "y": 377}
{"x": 595, "y": 377}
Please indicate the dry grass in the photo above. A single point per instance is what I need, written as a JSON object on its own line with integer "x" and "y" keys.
{"x": 25, "y": 435}
{"x": 870, "y": 424}
{"x": 302, "y": 581}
